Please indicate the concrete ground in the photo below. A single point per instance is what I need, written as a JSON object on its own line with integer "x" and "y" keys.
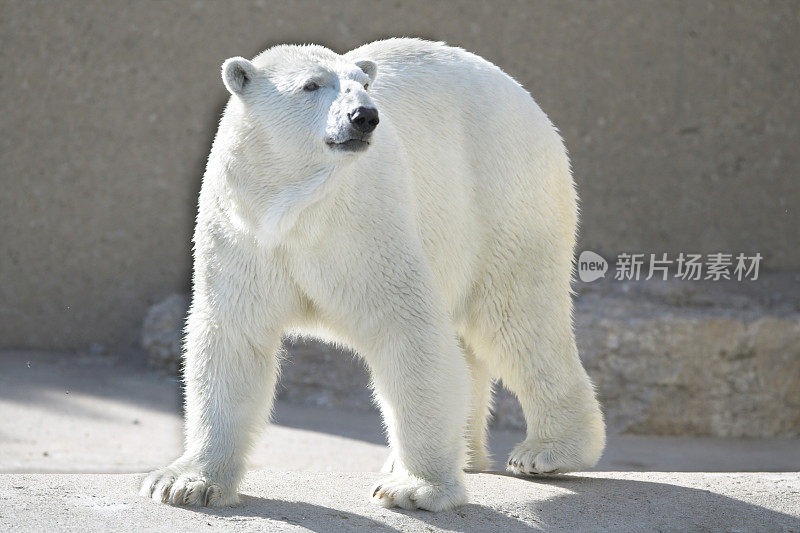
{"x": 337, "y": 501}
{"x": 94, "y": 414}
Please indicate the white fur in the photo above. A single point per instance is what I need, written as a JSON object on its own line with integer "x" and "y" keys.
{"x": 442, "y": 254}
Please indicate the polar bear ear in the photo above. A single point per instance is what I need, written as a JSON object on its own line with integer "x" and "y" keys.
{"x": 369, "y": 68}
{"x": 237, "y": 73}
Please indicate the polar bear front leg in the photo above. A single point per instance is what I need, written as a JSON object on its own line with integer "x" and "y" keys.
{"x": 478, "y": 458}
{"x": 230, "y": 384}
{"x": 422, "y": 382}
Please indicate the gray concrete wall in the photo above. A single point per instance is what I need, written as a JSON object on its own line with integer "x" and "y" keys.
{"x": 681, "y": 118}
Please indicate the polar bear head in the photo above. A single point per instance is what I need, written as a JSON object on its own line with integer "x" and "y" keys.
{"x": 309, "y": 101}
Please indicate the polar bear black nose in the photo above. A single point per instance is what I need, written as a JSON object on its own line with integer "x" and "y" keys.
{"x": 364, "y": 119}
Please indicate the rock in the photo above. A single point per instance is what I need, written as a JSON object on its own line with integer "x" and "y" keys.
{"x": 677, "y": 375}
{"x": 318, "y": 374}
{"x": 693, "y": 358}
{"x": 162, "y": 332}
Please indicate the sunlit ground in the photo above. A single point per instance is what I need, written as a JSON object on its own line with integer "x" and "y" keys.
{"x": 80, "y": 413}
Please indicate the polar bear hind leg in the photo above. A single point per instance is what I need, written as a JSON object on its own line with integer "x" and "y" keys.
{"x": 527, "y": 340}
{"x": 478, "y": 458}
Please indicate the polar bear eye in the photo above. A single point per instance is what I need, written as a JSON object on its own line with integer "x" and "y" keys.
{"x": 366, "y": 86}
{"x": 311, "y": 86}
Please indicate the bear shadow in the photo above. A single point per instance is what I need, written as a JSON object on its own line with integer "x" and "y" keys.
{"x": 324, "y": 519}
{"x": 588, "y": 504}
{"x": 606, "y": 504}
{"x": 307, "y": 515}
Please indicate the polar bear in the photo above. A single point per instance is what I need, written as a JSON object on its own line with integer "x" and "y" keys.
{"x": 409, "y": 200}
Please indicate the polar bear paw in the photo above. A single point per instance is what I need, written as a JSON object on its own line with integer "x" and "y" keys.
{"x": 183, "y": 486}
{"x": 409, "y": 492}
{"x": 533, "y": 458}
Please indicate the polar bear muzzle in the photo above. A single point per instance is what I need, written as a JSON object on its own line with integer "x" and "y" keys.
{"x": 364, "y": 119}
{"x": 361, "y": 123}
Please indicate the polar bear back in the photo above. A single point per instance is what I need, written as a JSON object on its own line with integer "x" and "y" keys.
{"x": 490, "y": 171}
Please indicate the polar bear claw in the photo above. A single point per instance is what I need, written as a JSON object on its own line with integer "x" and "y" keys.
{"x": 187, "y": 488}
{"x": 412, "y": 493}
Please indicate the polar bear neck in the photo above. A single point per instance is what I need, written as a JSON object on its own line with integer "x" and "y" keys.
{"x": 285, "y": 207}
{"x": 261, "y": 193}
